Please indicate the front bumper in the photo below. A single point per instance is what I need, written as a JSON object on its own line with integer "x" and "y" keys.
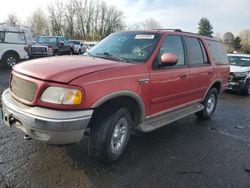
{"x": 238, "y": 84}
{"x": 46, "y": 125}
{"x": 34, "y": 55}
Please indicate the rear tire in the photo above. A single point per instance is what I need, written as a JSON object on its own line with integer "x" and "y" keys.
{"x": 210, "y": 104}
{"x": 110, "y": 133}
{"x": 10, "y": 59}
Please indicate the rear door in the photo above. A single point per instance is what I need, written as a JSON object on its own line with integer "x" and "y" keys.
{"x": 169, "y": 84}
{"x": 201, "y": 70}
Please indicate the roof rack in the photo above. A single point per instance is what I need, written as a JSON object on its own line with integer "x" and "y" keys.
{"x": 176, "y": 30}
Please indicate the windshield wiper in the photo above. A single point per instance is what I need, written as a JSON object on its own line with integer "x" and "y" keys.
{"x": 111, "y": 55}
{"x": 89, "y": 54}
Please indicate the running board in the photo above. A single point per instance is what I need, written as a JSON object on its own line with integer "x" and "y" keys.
{"x": 169, "y": 117}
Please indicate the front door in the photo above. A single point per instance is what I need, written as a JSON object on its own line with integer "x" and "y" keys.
{"x": 169, "y": 84}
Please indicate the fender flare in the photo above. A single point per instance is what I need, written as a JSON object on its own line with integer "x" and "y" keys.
{"x": 123, "y": 93}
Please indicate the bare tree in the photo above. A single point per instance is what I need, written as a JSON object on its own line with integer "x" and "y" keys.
{"x": 245, "y": 41}
{"x": 38, "y": 23}
{"x": 70, "y": 19}
{"x": 56, "y": 14}
{"x": 12, "y": 20}
{"x": 149, "y": 23}
{"x": 96, "y": 20}
{"x": 228, "y": 40}
{"x": 81, "y": 11}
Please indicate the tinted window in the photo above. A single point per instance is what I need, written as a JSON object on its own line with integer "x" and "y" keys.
{"x": 2, "y": 36}
{"x": 46, "y": 40}
{"x": 173, "y": 45}
{"x": 195, "y": 51}
{"x": 218, "y": 52}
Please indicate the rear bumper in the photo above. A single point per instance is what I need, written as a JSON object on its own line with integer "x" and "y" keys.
{"x": 46, "y": 125}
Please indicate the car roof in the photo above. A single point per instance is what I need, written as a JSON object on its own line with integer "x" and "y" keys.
{"x": 174, "y": 31}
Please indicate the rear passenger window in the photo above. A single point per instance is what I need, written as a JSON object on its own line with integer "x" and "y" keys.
{"x": 218, "y": 52}
{"x": 196, "y": 52}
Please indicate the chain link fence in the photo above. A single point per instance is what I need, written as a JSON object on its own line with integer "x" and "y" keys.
{"x": 3, "y": 86}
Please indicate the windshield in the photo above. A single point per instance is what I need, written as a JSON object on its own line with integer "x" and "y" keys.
{"x": 46, "y": 40}
{"x": 74, "y": 42}
{"x": 239, "y": 61}
{"x": 127, "y": 46}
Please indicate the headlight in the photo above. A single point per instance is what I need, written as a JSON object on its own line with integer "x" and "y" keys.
{"x": 241, "y": 74}
{"x": 59, "y": 95}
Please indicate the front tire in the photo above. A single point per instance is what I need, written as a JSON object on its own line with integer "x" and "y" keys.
{"x": 210, "y": 104}
{"x": 10, "y": 59}
{"x": 111, "y": 128}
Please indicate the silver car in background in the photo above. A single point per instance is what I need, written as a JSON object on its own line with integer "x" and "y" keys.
{"x": 239, "y": 78}
{"x": 79, "y": 46}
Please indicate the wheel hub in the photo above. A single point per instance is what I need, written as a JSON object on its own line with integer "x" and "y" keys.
{"x": 211, "y": 104}
{"x": 11, "y": 61}
{"x": 119, "y": 136}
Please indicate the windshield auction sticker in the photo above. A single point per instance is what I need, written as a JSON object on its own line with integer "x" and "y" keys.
{"x": 144, "y": 37}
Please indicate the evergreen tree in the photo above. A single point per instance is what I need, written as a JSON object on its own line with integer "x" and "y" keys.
{"x": 237, "y": 45}
{"x": 205, "y": 28}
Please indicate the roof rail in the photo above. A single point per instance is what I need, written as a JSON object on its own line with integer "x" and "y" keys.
{"x": 176, "y": 30}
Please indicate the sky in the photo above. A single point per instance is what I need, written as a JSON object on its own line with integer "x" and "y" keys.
{"x": 227, "y": 15}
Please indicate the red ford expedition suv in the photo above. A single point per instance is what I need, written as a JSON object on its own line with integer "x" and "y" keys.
{"x": 130, "y": 80}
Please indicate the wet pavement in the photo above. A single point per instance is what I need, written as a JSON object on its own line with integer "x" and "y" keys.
{"x": 186, "y": 153}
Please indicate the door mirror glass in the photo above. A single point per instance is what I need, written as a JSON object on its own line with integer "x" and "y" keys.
{"x": 168, "y": 59}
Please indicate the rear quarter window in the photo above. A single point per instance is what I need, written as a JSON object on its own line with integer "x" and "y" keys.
{"x": 218, "y": 52}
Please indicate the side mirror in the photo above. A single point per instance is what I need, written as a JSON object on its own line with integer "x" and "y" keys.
{"x": 168, "y": 59}
{"x": 81, "y": 44}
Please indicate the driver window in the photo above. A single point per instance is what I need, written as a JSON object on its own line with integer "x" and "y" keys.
{"x": 173, "y": 45}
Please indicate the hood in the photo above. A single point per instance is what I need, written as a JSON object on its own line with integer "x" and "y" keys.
{"x": 239, "y": 69}
{"x": 65, "y": 68}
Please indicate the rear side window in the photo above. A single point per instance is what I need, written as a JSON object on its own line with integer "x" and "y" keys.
{"x": 14, "y": 37}
{"x": 196, "y": 52}
{"x": 2, "y": 34}
{"x": 218, "y": 52}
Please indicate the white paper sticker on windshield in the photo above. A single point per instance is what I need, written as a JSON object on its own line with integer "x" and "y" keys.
{"x": 144, "y": 37}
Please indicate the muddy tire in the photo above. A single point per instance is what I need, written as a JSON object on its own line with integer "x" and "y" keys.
{"x": 10, "y": 59}
{"x": 110, "y": 134}
{"x": 210, "y": 104}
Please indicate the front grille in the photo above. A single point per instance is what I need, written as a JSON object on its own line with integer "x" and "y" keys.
{"x": 38, "y": 49}
{"x": 23, "y": 89}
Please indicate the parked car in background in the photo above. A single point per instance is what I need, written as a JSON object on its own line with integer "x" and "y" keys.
{"x": 131, "y": 80}
{"x": 239, "y": 78}
{"x": 13, "y": 44}
{"x": 90, "y": 44}
{"x": 79, "y": 46}
{"x": 50, "y": 46}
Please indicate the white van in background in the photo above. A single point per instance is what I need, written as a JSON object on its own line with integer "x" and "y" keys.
{"x": 13, "y": 44}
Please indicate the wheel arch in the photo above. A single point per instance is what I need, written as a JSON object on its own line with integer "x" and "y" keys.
{"x": 128, "y": 99}
{"x": 9, "y": 52}
{"x": 216, "y": 84}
